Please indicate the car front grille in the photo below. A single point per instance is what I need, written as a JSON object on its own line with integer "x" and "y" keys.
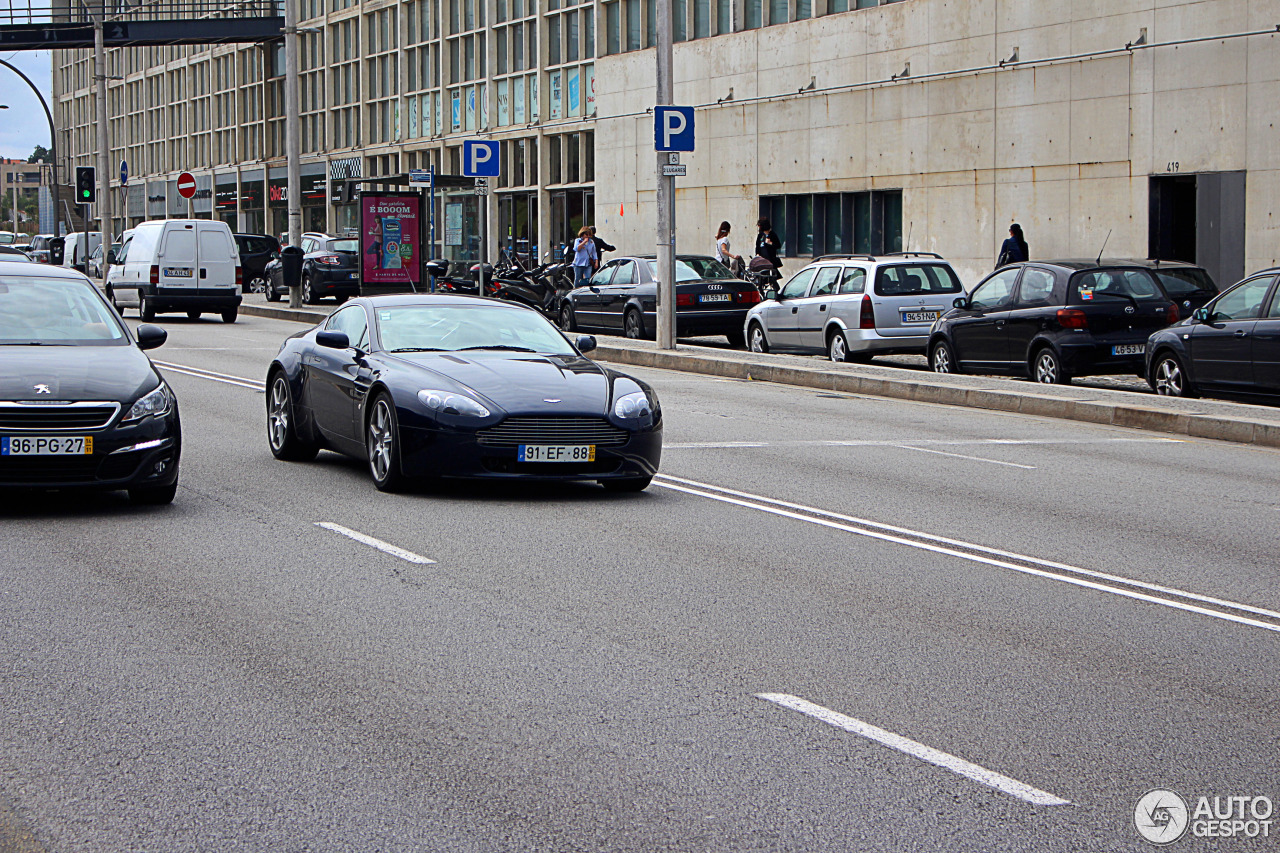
{"x": 553, "y": 430}
{"x": 56, "y": 416}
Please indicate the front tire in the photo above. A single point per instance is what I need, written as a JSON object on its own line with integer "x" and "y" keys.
{"x": 153, "y": 495}
{"x": 308, "y": 292}
{"x": 272, "y": 294}
{"x": 630, "y": 484}
{"x": 736, "y": 339}
{"x": 756, "y": 341}
{"x": 633, "y": 324}
{"x": 282, "y": 432}
{"x": 382, "y": 441}
{"x": 1168, "y": 379}
{"x": 146, "y": 310}
{"x": 193, "y": 315}
{"x": 942, "y": 360}
{"x": 1047, "y": 369}
{"x": 567, "y": 321}
{"x": 257, "y": 284}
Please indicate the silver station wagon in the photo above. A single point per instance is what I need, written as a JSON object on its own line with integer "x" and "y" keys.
{"x": 854, "y": 307}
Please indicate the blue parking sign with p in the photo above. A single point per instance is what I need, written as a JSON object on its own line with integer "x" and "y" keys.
{"x": 673, "y": 128}
{"x": 480, "y": 159}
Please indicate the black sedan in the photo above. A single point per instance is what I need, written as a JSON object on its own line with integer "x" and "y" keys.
{"x": 622, "y": 298}
{"x": 330, "y": 267}
{"x": 1229, "y": 348}
{"x": 80, "y": 405}
{"x": 1052, "y": 320}
{"x": 427, "y": 386}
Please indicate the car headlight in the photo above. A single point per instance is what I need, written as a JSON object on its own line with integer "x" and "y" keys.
{"x": 155, "y": 403}
{"x": 633, "y": 406}
{"x": 448, "y": 403}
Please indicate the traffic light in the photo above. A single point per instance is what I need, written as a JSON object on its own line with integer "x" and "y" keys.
{"x": 86, "y": 184}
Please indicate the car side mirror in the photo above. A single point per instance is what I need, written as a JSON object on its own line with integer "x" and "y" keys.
{"x": 333, "y": 339}
{"x": 1200, "y": 315}
{"x": 960, "y": 302}
{"x": 150, "y": 337}
{"x": 585, "y": 343}
{"x": 771, "y": 294}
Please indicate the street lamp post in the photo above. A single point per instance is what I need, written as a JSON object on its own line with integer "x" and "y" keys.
{"x": 53, "y": 140}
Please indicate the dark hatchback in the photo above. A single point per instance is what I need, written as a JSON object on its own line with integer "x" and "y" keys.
{"x": 429, "y": 386}
{"x": 621, "y": 298}
{"x": 330, "y": 267}
{"x": 1188, "y": 285}
{"x": 1229, "y": 348}
{"x": 80, "y": 405}
{"x": 1053, "y": 320}
{"x": 256, "y": 251}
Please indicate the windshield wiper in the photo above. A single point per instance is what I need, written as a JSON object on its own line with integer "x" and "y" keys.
{"x": 500, "y": 346}
{"x": 419, "y": 349}
{"x": 34, "y": 344}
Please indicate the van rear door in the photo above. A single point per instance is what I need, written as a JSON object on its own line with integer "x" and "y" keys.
{"x": 218, "y": 256}
{"x": 178, "y": 257}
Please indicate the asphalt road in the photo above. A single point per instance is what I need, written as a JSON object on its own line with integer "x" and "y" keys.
{"x": 758, "y": 653}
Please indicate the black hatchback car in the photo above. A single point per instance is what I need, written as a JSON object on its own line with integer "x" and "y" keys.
{"x": 330, "y": 267}
{"x": 1229, "y": 348}
{"x": 81, "y": 406}
{"x": 256, "y": 251}
{"x": 1188, "y": 285}
{"x": 1052, "y": 320}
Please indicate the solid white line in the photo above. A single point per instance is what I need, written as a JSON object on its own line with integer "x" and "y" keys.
{"x": 962, "y": 456}
{"x": 976, "y": 558}
{"x": 384, "y": 547}
{"x": 932, "y": 442}
{"x": 937, "y": 757}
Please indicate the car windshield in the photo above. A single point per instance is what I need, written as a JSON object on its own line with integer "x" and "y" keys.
{"x": 1115, "y": 284}
{"x": 346, "y": 246}
{"x": 1181, "y": 283}
{"x": 695, "y": 269}
{"x": 38, "y": 311}
{"x": 449, "y": 328}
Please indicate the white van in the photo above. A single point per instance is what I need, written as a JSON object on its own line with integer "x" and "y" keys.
{"x": 74, "y": 253}
{"x": 170, "y": 265}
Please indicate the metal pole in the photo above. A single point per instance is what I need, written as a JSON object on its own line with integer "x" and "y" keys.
{"x": 53, "y": 142}
{"x": 431, "y": 219}
{"x": 104, "y": 177}
{"x": 484, "y": 239}
{"x": 292, "y": 136}
{"x": 666, "y": 192}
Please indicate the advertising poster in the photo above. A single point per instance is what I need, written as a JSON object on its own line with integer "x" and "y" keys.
{"x": 390, "y": 229}
{"x": 575, "y": 94}
{"x": 453, "y": 224}
{"x": 555, "y": 95}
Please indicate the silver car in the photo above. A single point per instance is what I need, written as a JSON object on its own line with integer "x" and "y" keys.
{"x": 853, "y": 307}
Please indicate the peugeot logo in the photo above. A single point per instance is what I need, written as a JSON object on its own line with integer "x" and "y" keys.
{"x": 43, "y": 389}
{"x": 1128, "y": 309}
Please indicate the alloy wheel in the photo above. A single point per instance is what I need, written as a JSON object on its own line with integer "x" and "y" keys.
{"x": 757, "y": 341}
{"x": 1047, "y": 368}
{"x": 941, "y": 359}
{"x": 257, "y": 284}
{"x": 381, "y": 440}
{"x": 278, "y": 413}
{"x": 1169, "y": 379}
{"x": 837, "y": 350}
{"x": 632, "y": 323}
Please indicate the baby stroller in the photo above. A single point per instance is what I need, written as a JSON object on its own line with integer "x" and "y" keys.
{"x": 762, "y": 273}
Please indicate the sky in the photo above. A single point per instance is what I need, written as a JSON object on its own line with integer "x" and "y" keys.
{"x": 23, "y": 126}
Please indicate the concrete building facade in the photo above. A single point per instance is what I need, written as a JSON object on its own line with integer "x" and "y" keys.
{"x": 856, "y": 125}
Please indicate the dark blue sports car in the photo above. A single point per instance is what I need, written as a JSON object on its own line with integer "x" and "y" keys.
{"x": 429, "y": 386}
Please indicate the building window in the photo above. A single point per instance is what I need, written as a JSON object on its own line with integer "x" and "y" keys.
{"x": 836, "y": 223}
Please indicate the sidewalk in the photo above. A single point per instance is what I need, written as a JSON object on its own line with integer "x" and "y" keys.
{"x": 1214, "y": 419}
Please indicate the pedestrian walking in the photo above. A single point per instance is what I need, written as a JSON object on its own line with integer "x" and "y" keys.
{"x": 767, "y": 245}
{"x": 601, "y": 246}
{"x": 585, "y": 256}
{"x": 1013, "y": 250}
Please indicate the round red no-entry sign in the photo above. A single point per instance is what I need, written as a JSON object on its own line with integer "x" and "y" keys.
{"x": 186, "y": 185}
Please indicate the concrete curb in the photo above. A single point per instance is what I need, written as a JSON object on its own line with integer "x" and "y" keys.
{"x": 1150, "y": 415}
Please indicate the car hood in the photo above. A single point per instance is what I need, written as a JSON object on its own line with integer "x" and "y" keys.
{"x": 119, "y": 373}
{"x": 524, "y": 382}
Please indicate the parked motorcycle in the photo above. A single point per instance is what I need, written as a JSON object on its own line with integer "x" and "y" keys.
{"x": 540, "y": 288}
